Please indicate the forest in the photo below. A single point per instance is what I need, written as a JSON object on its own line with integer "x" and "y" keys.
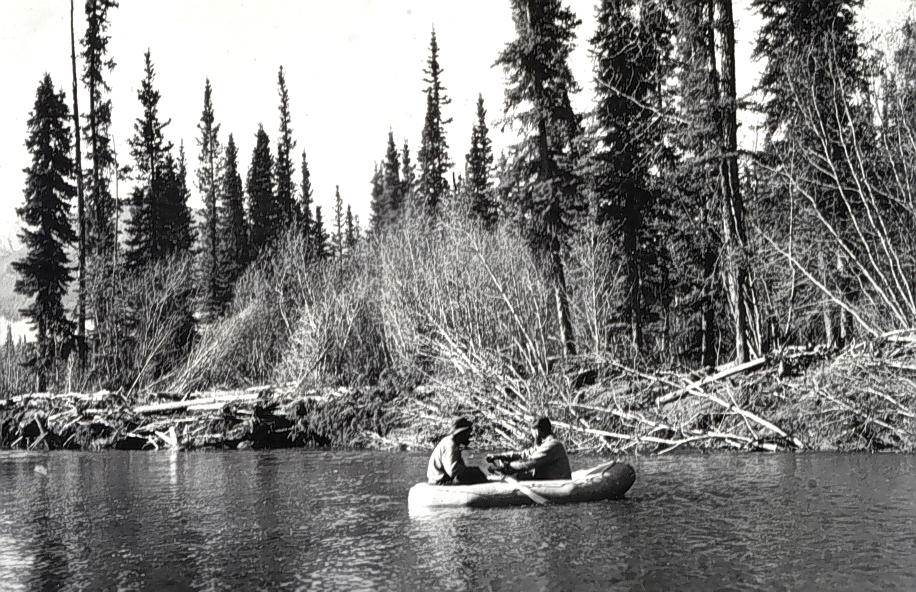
{"x": 629, "y": 270}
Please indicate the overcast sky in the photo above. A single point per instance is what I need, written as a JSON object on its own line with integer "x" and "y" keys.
{"x": 354, "y": 69}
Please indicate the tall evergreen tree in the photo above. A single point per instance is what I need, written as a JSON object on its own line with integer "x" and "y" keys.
{"x": 631, "y": 54}
{"x": 209, "y": 171}
{"x": 80, "y": 201}
{"x": 262, "y": 207}
{"x": 284, "y": 165}
{"x": 101, "y": 208}
{"x": 44, "y": 272}
{"x": 539, "y": 82}
{"x": 101, "y": 239}
{"x": 233, "y": 234}
{"x": 387, "y": 188}
{"x": 408, "y": 176}
{"x": 433, "y": 160}
{"x": 338, "y": 222}
{"x": 392, "y": 187}
{"x": 478, "y": 169}
{"x": 321, "y": 244}
{"x": 377, "y": 205}
{"x": 147, "y": 226}
{"x": 305, "y": 201}
{"x": 352, "y": 230}
{"x": 734, "y": 235}
{"x": 180, "y": 225}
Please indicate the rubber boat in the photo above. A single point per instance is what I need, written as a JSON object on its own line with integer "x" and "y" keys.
{"x": 607, "y": 481}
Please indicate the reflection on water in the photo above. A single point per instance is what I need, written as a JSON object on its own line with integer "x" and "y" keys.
{"x": 338, "y": 520}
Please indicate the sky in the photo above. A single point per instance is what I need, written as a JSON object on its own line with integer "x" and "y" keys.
{"x": 354, "y": 71}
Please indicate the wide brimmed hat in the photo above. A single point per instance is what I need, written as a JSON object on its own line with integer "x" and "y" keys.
{"x": 461, "y": 424}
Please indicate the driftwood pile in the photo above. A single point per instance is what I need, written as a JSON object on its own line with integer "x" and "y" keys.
{"x": 257, "y": 417}
{"x": 863, "y": 398}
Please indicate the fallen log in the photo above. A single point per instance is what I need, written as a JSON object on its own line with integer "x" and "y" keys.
{"x": 745, "y": 367}
{"x": 187, "y": 403}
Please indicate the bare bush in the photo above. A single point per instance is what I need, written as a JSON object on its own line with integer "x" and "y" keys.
{"x": 848, "y": 232}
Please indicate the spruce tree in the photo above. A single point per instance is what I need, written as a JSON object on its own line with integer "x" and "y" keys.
{"x": 338, "y": 222}
{"x": 539, "y": 82}
{"x": 284, "y": 165}
{"x": 233, "y": 234}
{"x": 209, "y": 171}
{"x": 377, "y": 206}
{"x": 80, "y": 201}
{"x": 695, "y": 241}
{"x": 408, "y": 176}
{"x": 392, "y": 188}
{"x": 478, "y": 168}
{"x": 352, "y": 230}
{"x": 321, "y": 244}
{"x": 305, "y": 201}
{"x": 180, "y": 224}
{"x": 44, "y": 272}
{"x": 101, "y": 240}
{"x": 631, "y": 53}
{"x": 433, "y": 160}
{"x": 261, "y": 204}
{"x": 101, "y": 209}
{"x": 147, "y": 226}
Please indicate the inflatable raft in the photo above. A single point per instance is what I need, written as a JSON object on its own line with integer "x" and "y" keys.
{"x": 607, "y": 481}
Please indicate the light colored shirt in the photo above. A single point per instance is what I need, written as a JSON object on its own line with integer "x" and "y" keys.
{"x": 445, "y": 463}
{"x": 547, "y": 460}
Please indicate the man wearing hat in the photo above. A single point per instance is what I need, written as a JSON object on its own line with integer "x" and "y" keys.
{"x": 446, "y": 467}
{"x": 545, "y": 460}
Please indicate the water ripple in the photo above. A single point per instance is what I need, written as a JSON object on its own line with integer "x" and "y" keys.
{"x": 319, "y": 520}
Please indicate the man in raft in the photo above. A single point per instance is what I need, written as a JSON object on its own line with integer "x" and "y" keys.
{"x": 545, "y": 460}
{"x": 446, "y": 467}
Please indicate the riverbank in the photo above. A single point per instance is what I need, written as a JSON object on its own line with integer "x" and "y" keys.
{"x": 860, "y": 399}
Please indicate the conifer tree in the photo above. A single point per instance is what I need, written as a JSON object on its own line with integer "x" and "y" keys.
{"x": 261, "y": 204}
{"x": 285, "y": 168}
{"x": 539, "y": 82}
{"x": 352, "y": 230}
{"x": 478, "y": 168}
{"x": 233, "y": 234}
{"x": 147, "y": 226}
{"x": 321, "y": 244}
{"x": 695, "y": 241}
{"x": 44, "y": 272}
{"x": 101, "y": 209}
{"x": 338, "y": 222}
{"x": 305, "y": 203}
{"x": 376, "y": 203}
{"x": 179, "y": 225}
{"x": 433, "y": 160}
{"x": 80, "y": 201}
{"x": 209, "y": 171}
{"x": 392, "y": 188}
{"x": 408, "y": 176}
{"x": 101, "y": 240}
{"x": 631, "y": 54}
{"x": 387, "y": 189}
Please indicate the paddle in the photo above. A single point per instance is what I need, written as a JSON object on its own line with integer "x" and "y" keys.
{"x": 536, "y": 498}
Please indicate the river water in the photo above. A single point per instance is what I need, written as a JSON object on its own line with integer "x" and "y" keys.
{"x": 316, "y": 520}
